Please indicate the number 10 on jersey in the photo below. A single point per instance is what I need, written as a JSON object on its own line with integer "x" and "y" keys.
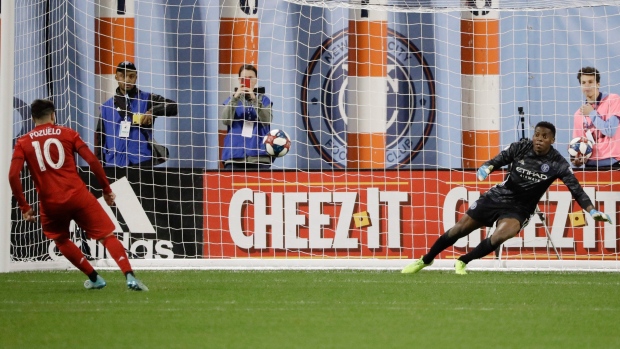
{"x": 46, "y": 153}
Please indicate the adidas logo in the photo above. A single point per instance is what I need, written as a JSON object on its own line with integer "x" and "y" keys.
{"x": 127, "y": 201}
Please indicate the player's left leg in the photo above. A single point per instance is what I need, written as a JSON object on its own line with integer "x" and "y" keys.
{"x": 507, "y": 228}
{"x": 74, "y": 255}
{"x": 55, "y": 224}
{"x": 77, "y": 258}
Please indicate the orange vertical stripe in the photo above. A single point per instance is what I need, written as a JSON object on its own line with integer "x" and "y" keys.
{"x": 368, "y": 48}
{"x": 479, "y": 146}
{"x": 480, "y": 47}
{"x": 114, "y": 43}
{"x": 238, "y": 44}
{"x": 366, "y": 150}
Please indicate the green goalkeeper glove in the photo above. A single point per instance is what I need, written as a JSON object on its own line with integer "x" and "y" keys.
{"x": 600, "y": 216}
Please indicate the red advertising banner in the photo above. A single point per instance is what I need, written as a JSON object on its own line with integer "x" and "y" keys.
{"x": 387, "y": 214}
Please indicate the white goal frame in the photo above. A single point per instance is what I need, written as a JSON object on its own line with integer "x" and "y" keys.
{"x": 6, "y": 110}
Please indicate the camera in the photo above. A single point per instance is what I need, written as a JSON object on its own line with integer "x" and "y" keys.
{"x": 257, "y": 90}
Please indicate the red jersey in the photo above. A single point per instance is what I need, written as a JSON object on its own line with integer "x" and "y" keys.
{"x": 49, "y": 151}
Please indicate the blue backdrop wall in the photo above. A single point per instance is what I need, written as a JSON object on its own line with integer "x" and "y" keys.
{"x": 302, "y": 64}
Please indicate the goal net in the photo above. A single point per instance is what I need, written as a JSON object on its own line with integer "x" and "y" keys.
{"x": 390, "y": 107}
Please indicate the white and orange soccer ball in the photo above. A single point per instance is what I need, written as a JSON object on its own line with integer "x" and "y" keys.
{"x": 277, "y": 143}
{"x": 580, "y": 147}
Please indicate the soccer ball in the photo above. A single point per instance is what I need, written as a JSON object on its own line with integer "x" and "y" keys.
{"x": 277, "y": 143}
{"x": 580, "y": 147}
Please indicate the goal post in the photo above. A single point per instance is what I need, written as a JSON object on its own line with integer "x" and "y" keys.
{"x": 390, "y": 106}
{"x": 7, "y": 29}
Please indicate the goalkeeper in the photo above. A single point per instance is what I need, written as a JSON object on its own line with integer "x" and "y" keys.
{"x": 534, "y": 166}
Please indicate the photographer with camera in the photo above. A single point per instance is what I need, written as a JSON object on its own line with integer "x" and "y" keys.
{"x": 247, "y": 114}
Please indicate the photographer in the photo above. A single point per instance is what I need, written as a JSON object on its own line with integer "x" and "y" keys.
{"x": 124, "y": 134}
{"x": 247, "y": 113}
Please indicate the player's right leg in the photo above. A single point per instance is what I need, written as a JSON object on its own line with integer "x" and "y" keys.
{"x": 117, "y": 251}
{"x": 135, "y": 284}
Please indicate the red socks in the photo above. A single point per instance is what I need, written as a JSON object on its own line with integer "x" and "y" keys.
{"x": 117, "y": 251}
{"x": 74, "y": 255}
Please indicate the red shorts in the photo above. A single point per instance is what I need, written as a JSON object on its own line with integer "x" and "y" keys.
{"x": 85, "y": 210}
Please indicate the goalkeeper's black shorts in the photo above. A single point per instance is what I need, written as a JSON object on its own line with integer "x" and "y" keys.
{"x": 488, "y": 212}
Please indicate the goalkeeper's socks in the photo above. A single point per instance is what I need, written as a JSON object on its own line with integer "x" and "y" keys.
{"x": 441, "y": 244}
{"x": 75, "y": 256}
{"x": 484, "y": 248}
{"x": 117, "y": 251}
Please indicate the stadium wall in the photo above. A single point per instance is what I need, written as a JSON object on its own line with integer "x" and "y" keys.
{"x": 336, "y": 214}
{"x": 311, "y": 216}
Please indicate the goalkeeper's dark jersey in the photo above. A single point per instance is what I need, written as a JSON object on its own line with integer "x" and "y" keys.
{"x": 531, "y": 175}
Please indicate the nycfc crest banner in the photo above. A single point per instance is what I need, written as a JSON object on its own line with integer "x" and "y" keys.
{"x": 410, "y": 100}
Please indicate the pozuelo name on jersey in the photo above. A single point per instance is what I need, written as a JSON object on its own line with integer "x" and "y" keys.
{"x": 50, "y": 131}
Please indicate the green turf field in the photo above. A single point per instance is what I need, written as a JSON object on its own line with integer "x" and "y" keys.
{"x": 312, "y": 309}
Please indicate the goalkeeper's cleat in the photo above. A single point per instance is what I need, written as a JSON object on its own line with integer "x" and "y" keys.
{"x": 135, "y": 284}
{"x": 99, "y": 284}
{"x": 415, "y": 267}
{"x": 459, "y": 267}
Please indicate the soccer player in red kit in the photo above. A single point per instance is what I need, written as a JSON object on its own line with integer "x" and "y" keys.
{"x": 48, "y": 151}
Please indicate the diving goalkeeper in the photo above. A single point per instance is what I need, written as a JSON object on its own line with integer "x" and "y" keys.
{"x": 534, "y": 166}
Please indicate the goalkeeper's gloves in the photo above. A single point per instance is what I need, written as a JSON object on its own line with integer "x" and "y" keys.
{"x": 600, "y": 216}
{"x": 484, "y": 171}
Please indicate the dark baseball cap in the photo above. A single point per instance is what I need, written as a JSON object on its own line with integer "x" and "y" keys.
{"x": 126, "y": 65}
